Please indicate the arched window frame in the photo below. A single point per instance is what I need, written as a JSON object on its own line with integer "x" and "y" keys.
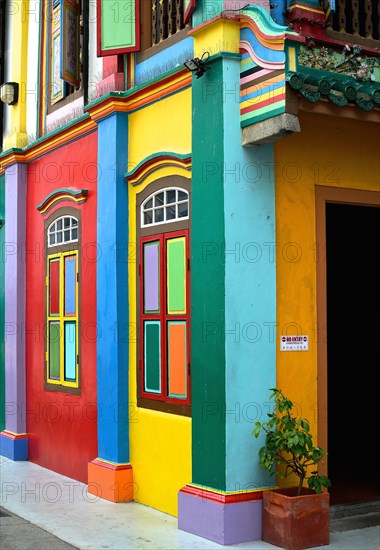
{"x": 180, "y": 205}
{"x": 62, "y": 351}
{"x": 68, "y": 231}
{"x": 163, "y": 232}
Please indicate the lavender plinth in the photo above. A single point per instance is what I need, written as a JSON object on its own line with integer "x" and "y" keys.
{"x": 223, "y": 523}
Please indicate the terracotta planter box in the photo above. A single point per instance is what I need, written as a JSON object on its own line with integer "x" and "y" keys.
{"x": 296, "y": 522}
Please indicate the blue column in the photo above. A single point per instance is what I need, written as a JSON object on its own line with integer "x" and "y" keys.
{"x": 110, "y": 475}
{"x": 112, "y": 290}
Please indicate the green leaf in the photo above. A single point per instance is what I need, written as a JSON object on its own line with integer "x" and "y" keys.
{"x": 288, "y": 442}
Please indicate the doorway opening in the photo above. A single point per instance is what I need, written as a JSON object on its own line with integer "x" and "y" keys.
{"x": 353, "y": 350}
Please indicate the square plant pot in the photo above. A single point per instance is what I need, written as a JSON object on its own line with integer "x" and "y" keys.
{"x": 296, "y": 522}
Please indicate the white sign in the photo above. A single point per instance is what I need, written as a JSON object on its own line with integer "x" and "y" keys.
{"x": 294, "y": 343}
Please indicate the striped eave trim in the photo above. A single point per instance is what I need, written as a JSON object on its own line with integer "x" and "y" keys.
{"x": 58, "y": 195}
{"x": 154, "y": 162}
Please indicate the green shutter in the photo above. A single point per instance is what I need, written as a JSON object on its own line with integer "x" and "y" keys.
{"x": 176, "y": 276}
{"x": 152, "y": 356}
{"x": 54, "y": 349}
{"x": 118, "y": 26}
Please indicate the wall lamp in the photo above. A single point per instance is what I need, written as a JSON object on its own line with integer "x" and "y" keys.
{"x": 197, "y": 66}
{"x": 9, "y": 93}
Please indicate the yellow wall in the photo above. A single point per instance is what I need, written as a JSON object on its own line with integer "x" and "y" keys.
{"x": 160, "y": 442}
{"x": 331, "y": 152}
{"x": 18, "y": 73}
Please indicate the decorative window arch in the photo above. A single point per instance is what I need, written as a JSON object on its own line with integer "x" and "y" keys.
{"x": 62, "y": 242}
{"x": 163, "y": 214}
{"x": 165, "y": 206}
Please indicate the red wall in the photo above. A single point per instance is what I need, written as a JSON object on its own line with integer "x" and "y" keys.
{"x": 62, "y": 427}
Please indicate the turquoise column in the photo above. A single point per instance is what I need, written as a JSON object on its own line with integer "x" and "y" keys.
{"x": 112, "y": 313}
{"x": 233, "y": 312}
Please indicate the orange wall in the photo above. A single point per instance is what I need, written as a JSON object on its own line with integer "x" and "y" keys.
{"x": 328, "y": 151}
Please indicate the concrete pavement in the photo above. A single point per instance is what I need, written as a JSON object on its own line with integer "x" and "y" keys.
{"x": 53, "y": 511}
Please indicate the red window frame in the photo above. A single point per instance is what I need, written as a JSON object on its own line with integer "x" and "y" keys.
{"x": 164, "y": 317}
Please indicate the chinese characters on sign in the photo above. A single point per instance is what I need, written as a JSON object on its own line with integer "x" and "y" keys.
{"x": 294, "y": 343}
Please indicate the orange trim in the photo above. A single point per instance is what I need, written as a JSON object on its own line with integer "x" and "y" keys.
{"x": 49, "y": 143}
{"x": 141, "y": 97}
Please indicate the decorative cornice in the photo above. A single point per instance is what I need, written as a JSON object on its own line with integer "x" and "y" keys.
{"x": 154, "y": 162}
{"x": 350, "y": 61}
{"x": 340, "y": 89}
{"x": 62, "y": 136}
{"x": 141, "y": 96}
{"x": 307, "y": 18}
{"x": 58, "y": 195}
{"x": 222, "y": 497}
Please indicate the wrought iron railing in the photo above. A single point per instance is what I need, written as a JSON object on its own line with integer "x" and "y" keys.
{"x": 357, "y": 17}
{"x": 167, "y": 19}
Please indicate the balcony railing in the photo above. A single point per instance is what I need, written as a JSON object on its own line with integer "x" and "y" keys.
{"x": 167, "y": 19}
{"x": 357, "y": 17}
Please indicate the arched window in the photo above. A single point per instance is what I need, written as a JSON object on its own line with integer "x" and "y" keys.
{"x": 63, "y": 230}
{"x": 169, "y": 205}
{"x": 164, "y": 327}
{"x": 62, "y": 300}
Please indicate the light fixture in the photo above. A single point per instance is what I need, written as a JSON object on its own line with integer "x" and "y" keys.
{"x": 9, "y": 93}
{"x": 197, "y": 66}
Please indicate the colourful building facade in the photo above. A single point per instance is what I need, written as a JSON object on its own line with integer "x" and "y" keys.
{"x": 164, "y": 239}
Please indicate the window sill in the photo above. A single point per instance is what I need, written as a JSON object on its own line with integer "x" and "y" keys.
{"x": 171, "y": 408}
{"x": 61, "y": 388}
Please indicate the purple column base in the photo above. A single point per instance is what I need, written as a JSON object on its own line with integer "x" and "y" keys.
{"x": 223, "y": 523}
{"x": 15, "y": 448}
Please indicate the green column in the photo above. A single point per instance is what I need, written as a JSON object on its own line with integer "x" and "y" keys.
{"x": 207, "y": 284}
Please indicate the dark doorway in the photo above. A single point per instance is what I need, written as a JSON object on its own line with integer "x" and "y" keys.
{"x": 353, "y": 351}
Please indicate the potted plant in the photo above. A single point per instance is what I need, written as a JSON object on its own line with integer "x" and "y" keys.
{"x": 295, "y": 517}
